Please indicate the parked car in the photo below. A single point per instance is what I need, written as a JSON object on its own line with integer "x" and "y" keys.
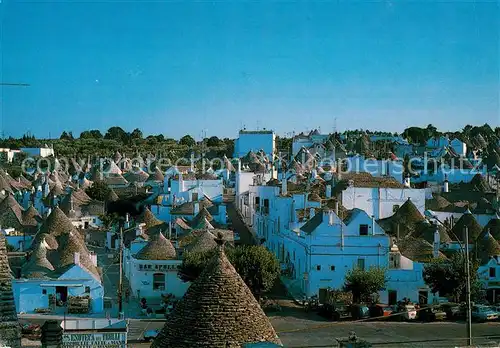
{"x": 334, "y": 312}
{"x": 406, "y": 312}
{"x": 434, "y": 313}
{"x": 359, "y": 311}
{"x": 380, "y": 310}
{"x": 483, "y": 313}
{"x": 453, "y": 311}
{"x": 151, "y": 334}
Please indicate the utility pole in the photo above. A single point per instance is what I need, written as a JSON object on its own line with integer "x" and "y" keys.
{"x": 467, "y": 269}
{"x": 120, "y": 288}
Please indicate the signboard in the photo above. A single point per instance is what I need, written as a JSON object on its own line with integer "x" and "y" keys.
{"x": 169, "y": 267}
{"x": 88, "y": 340}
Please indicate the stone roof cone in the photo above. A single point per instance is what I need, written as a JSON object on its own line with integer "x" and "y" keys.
{"x": 10, "y": 334}
{"x": 218, "y": 310}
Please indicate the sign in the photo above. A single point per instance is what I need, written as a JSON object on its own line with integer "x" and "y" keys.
{"x": 88, "y": 340}
{"x": 169, "y": 267}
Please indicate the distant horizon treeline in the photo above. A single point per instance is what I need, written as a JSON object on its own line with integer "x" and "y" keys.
{"x": 94, "y": 142}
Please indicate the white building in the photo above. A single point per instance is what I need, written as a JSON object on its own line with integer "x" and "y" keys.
{"x": 308, "y": 141}
{"x": 152, "y": 270}
{"x": 255, "y": 141}
{"x": 38, "y": 151}
{"x": 378, "y": 197}
{"x": 317, "y": 247}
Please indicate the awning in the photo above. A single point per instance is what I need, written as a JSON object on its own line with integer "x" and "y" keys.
{"x": 58, "y": 285}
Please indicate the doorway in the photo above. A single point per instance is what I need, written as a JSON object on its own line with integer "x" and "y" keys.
{"x": 61, "y": 294}
{"x": 393, "y": 297}
{"x": 423, "y": 297}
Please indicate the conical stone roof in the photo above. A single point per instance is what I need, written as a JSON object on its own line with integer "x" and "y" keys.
{"x": 487, "y": 247}
{"x": 158, "y": 248}
{"x": 112, "y": 196}
{"x": 149, "y": 219}
{"x": 10, "y": 333}
{"x": 31, "y": 217}
{"x": 205, "y": 241}
{"x": 11, "y": 213}
{"x": 473, "y": 226}
{"x": 218, "y": 310}
{"x": 38, "y": 265}
{"x": 493, "y": 227}
{"x": 157, "y": 175}
{"x": 406, "y": 217}
{"x": 57, "y": 223}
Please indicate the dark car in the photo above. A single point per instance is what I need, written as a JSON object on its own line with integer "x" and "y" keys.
{"x": 432, "y": 313}
{"x": 334, "y": 312}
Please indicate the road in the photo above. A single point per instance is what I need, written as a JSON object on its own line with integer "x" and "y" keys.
{"x": 246, "y": 236}
{"x": 295, "y": 333}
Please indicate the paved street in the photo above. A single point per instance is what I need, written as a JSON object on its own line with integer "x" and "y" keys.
{"x": 295, "y": 333}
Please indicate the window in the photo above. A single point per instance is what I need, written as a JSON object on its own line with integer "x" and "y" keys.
{"x": 87, "y": 289}
{"x": 493, "y": 272}
{"x": 195, "y": 196}
{"x": 257, "y": 202}
{"x": 363, "y": 230}
{"x": 318, "y": 267}
{"x": 159, "y": 281}
{"x": 395, "y": 208}
{"x": 332, "y": 268}
{"x": 361, "y": 264}
{"x": 44, "y": 291}
{"x": 266, "y": 206}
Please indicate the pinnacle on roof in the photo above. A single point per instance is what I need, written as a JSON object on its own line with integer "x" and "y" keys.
{"x": 158, "y": 248}
{"x": 10, "y": 333}
{"x": 219, "y": 310}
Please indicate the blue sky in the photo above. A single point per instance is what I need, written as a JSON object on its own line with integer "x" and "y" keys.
{"x": 177, "y": 67}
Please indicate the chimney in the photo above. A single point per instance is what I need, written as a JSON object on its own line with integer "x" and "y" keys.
{"x": 329, "y": 214}
{"x": 437, "y": 242}
{"x": 446, "y": 187}
{"x": 127, "y": 221}
{"x": 328, "y": 191}
{"x": 337, "y": 208}
{"x": 284, "y": 185}
{"x": 196, "y": 208}
{"x": 170, "y": 230}
{"x": 373, "y": 224}
{"x": 312, "y": 212}
{"x": 77, "y": 258}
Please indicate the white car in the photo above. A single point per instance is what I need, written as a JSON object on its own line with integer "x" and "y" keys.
{"x": 410, "y": 312}
{"x": 151, "y": 334}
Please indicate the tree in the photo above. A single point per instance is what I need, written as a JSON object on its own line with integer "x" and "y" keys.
{"x": 258, "y": 267}
{"x": 91, "y": 134}
{"x": 213, "y": 141}
{"x": 66, "y": 136}
{"x": 99, "y": 190}
{"x": 187, "y": 140}
{"x": 136, "y": 134}
{"x": 364, "y": 283}
{"x": 448, "y": 277}
{"x": 109, "y": 219}
{"x": 116, "y": 133}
